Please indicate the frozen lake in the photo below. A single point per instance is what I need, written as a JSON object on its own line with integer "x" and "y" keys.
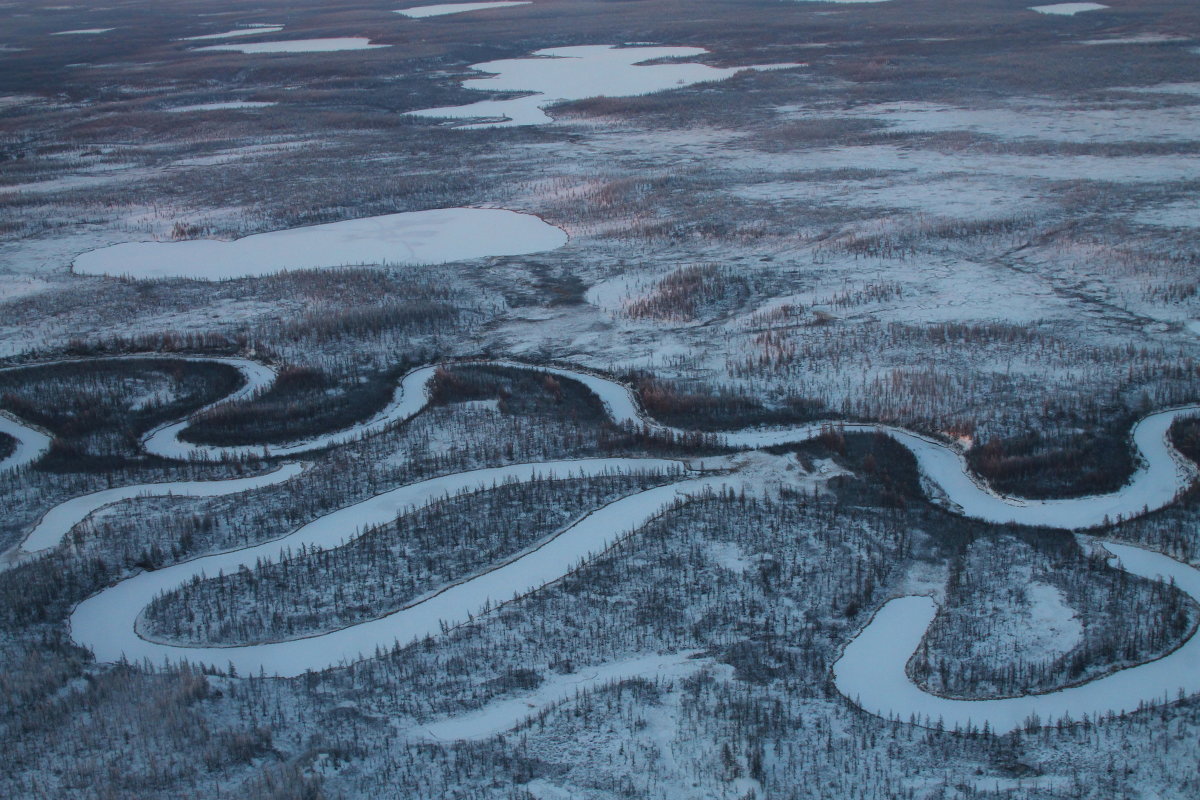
{"x": 443, "y": 9}
{"x": 298, "y": 46}
{"x": 560, "y": 74}
{"x": 247, "y": 31}
{"x": 1067, "y": 9}
{"x": 438, "y": 236}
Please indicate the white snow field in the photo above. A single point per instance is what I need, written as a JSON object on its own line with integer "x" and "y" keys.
{"x": 233, "y": 104}
{"x": 56, "y": 523}
{"x": 106, "y": 622}
{"x": 249, "y": 30}
{"x": 331, "y": 45}
{"x": 871, "y": 671}
{"x": 438, "y": 236}
{"x": 560, "y": 74}
{"x": 1067, "y": 9}
{"x": 1180, "y": 214}
{"x": 442, "y": 9}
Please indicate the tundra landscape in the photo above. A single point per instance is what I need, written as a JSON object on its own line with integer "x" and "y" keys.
{"x": 597, "y": 399}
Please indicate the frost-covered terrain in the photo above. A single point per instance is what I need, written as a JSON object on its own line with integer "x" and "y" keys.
{"x": 600, "y": 400}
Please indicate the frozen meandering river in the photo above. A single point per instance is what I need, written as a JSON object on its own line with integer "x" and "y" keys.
{"x": 871, "y": 671}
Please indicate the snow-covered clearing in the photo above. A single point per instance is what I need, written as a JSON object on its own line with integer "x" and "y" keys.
{"x": 442, "y": 9}
{"x": 1067, "y": 9}
{"x": 561, "y": 74}
{"x": 956, "y": 196}
{"x": 1037, "y": 121}
{"x": 249, "y": 30}
{"x": 437, "y": 236}
{"x": 504, "y": 715}
{"x": 330, "y": 45}
{"x": 871, "y": 671}
{"x": 1181, "y": 214}
{"x": 232, "y": 104}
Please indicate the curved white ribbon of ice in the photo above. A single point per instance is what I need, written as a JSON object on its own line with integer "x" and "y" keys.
{"x": 872, "y": 669}
{"x": 105, "y": 623}
{"x": 56, "y": 523}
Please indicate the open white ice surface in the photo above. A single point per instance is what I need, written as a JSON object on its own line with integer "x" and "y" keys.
{"x": 247, "y": 31}
{"x": 233, "y": 104}
{"x": 298, "y": 46}
{"x": 442, "y": 9}
{"x": 83, "y": 32}
{"x": 1067, "y": 9}
{"x": 418, "y": 237}
{"x": 560, "y": 74}
{"x": 871, "y": 671}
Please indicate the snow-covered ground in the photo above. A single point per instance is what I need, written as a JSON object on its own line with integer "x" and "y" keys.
{"x": 438, "y": 236}
{"x": 1033, "y": 121}
{"x": 330, "y": 45}
{"x": 443, "y": 9}
{"x": 1181, "y": 214}
{"x": 232, "y": 104}
{"x": 504, "y": 715}
{"x": 560, "y": 74}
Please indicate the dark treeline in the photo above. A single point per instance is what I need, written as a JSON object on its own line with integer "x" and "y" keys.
{"x": 302, "y": 402}
{"x": 98, "y": 410}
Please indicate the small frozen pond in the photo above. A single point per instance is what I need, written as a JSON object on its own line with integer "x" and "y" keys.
{"x": 560, "y": 74}
{"x": 441, "y": 10}
{"x": 298, "y": 46}
{"x": 235, "y": 104}
{"x": 1067, "y": 9}
{"x": 417, "y": 237}
{"x": 247, "y": 31}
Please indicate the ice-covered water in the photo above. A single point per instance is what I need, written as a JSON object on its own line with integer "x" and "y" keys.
{"x": 437, "y": 236}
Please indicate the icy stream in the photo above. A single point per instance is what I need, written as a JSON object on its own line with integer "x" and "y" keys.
{"x": 871, "y": 671}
